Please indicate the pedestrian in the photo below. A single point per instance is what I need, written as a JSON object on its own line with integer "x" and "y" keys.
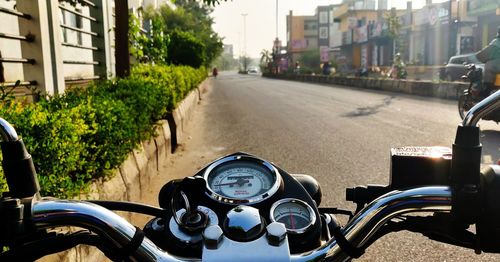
{"x": 326, "y": 68}
{"x": 297, "y": 68}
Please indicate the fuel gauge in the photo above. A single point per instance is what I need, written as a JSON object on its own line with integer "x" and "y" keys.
{"x": 295, "y": 214}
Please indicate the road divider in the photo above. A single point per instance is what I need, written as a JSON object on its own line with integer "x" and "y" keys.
{"x": 445, "y": 90}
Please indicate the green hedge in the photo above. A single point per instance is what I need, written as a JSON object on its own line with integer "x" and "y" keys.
{"x": 79, "y": 136}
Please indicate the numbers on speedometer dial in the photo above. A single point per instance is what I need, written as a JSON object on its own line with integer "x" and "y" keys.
{"x": 242, "y": 182}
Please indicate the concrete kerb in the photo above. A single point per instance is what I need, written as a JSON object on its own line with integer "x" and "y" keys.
{"x": 114, "y": 188}
{"x": 168, "y": 139}
{"x": 129, "y": 172}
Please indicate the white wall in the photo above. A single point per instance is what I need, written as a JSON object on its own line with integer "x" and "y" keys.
{"x": 9, "y": 47}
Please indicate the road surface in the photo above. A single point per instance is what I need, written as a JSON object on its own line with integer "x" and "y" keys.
{"x": 341, "y": 136}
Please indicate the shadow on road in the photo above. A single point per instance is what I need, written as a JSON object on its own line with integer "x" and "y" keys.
{"x": 370, "y": 110}
{"x": 491, "y": 146}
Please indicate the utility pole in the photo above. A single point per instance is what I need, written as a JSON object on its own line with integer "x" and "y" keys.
{"x": 244, "y": 41}
{"x": 121, "y": 39}
{"x": 276, "y": 19}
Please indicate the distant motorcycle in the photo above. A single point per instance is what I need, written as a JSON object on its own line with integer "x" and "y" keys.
{"x": 476, "y": 92}
{"x": 215, "y": 72}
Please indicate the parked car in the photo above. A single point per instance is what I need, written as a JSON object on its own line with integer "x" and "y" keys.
{"x": 455, "y": 68}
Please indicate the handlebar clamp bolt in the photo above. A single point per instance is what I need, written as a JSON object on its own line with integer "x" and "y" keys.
{"x": 276, "y": 233}
{"x": 212, "y": 236}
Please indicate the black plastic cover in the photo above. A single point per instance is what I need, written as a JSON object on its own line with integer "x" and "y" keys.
{"x": 419, "y": 166}
{"x": 311, "y": 185}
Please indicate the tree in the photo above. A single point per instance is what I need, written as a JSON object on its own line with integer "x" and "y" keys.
{"x": 150, "y": 46}
{"x": 310, "y": 60}
{"x": 265, "y": 57}
{"x": 193, "y": 17}
{"x": 186, "y": 49}
{"x": 395, "y": 26}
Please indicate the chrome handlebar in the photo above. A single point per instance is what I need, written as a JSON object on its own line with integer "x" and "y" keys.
{"x": 481, "y": 109}
{"x": 7, "y": 132}
{"x": 368, "y": 221}
{"x": 49, "y": 213}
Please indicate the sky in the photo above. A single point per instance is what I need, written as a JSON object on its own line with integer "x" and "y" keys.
{"x": 260, "y": 20}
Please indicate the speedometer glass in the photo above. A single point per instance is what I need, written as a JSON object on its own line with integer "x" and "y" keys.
{"x": 242, "y": 179}
{"x": 295, "y": 214}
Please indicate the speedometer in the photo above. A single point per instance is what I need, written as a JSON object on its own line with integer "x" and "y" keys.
{"x": 242, "y": 179}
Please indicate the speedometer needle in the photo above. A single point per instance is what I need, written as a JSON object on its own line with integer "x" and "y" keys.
{"x": 292, "y": 221}
{"x": 239, "y": 182}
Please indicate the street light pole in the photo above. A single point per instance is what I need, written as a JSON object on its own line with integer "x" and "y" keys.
{"x": 244, "y": 41}
{"x": 276, "y": 19}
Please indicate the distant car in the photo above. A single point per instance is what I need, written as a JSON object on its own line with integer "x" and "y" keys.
{"x": 455, "y": 68}
{"x": 253, "y": 71}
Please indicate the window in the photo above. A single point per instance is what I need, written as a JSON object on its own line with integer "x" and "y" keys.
{"x": 457, "y": 60}
{"x": 72, "y": 20}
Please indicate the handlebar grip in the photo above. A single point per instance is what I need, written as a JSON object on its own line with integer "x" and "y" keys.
{"x": 488, "y": 226}
{"x": 19, "y": 170}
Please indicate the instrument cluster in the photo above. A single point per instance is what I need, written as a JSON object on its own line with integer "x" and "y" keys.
{"x": 244, "y": 179}
{"x": 228, "y": 186}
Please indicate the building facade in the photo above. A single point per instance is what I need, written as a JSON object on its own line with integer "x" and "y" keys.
{"x": 302, "y": 35}
{"x": 356, "y": 34}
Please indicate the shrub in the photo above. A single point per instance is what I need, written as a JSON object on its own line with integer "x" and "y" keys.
{"x": 54, "y": 139}
{"x": 79, "y": 136}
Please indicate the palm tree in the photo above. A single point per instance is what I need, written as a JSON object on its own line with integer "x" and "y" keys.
{"x": 265, "y": 57}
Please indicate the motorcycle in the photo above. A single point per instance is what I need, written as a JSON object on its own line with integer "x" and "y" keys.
{"x": 244, "y": 207}
{"x": 476, "y": 92}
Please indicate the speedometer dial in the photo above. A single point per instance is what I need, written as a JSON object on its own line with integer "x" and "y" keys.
{"x": 241, "y": 179}
{"x": 295, "y": 214}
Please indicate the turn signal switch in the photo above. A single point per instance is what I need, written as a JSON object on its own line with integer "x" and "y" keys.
{"x": 11, "y": 221}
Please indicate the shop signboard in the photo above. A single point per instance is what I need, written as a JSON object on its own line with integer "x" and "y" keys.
{"x": 335, "y": 35}
{"x": 347, "y": 37}
{"x": 435, "y": 15}
{"x": 482, "y": 7}
{"x": 323, "y": 17}
{"x": 361, "y": 34}
{"x": 299, "y": 44}
{"x": 376, "y": 29}
{"x": 323, "y": 32}
{"x": 352, "y": 22}
{"x": 323, "y": 53}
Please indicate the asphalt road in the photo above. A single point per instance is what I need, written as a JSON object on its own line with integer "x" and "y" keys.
{"x": 341, "y": 136}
